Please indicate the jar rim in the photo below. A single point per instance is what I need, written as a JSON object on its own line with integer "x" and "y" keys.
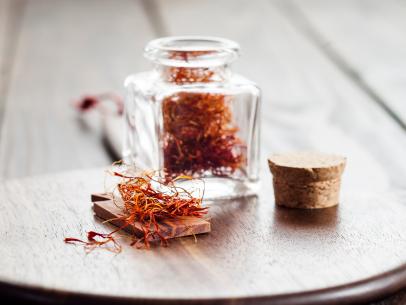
{"x": 192, "y": 51}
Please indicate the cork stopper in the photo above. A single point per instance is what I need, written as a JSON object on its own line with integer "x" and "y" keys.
{"x": 306, "y": 180}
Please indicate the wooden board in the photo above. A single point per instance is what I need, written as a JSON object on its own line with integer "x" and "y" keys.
{"x": 105, "y": 208}
{"x": 10, "y": 20}
{"x": 370, "y": 44}
{"x": 63, "y": 50}
{"x": 308, "y": 103}
{"x": 255, "y": 253}
{"x": 5, "y": 13}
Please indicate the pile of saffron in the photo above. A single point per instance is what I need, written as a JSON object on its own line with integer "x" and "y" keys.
{"x": 146, "y": 199}
{"x": 199, "y": 133}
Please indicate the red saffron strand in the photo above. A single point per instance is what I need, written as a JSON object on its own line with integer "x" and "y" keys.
{"x": 199, "y": 134}
{"x": 92, "y": 243}
{"x": 146, "y": 199}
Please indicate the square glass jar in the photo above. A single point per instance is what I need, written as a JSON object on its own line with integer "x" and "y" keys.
{"x": 192, "y": 116}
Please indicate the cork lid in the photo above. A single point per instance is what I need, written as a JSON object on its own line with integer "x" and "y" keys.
{"x": 300, "y": 167}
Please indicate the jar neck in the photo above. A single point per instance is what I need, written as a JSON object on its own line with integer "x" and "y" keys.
{"x": 187, "y": 75}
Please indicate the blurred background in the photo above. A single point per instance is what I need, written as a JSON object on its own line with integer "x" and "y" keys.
{"x": 333, "y": 75}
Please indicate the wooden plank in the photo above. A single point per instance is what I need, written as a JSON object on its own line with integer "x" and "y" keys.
{"x": 4, "y": 17}
{"x": 254, "y": 253}
{"x": 368, "y": 37}
{"x": 10, "y": 18}
{"x": 66, "y": 49}
{"x": 308, "y": 103}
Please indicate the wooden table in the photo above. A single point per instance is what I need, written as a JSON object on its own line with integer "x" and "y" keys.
{"x": 332, "y": 73}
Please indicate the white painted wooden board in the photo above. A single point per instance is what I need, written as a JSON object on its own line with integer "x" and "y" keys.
{"x": 370, "y": 35}
{"x": 66, "y": 49}
{"x": 308, "y": 103}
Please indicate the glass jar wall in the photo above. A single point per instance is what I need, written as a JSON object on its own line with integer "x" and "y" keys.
{"x": 192, "y": 116}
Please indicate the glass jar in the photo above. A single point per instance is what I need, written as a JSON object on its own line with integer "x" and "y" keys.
{"x": 192, "y": 116}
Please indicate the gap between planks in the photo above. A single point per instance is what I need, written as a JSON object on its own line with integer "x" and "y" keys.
{"x": 303, "y": 24}
{"x": 153, "y": 13}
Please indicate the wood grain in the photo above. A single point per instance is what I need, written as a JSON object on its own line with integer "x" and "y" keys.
{"x": 106, "y": 209}
{"x": 308, "y": 102}
{"x": 254, "y": 254}
{"x": 66, "y": 50}
{"x": 10, "y": 19}
{"x": 371, "y": 43}
{"x": 312, "y": 103}
{"x": 4, "y": 17}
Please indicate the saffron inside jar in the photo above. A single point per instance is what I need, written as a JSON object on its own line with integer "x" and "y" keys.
{"x": 199, "y": 133}
{"x": 192, "y": 115}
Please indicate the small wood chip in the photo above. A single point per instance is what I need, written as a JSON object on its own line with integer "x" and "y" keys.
{"x": 105, "y": 208}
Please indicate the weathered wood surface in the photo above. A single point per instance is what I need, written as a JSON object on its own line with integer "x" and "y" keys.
{"x": 10, "y": 17}
{"x": 367, "y": 38}
{"x": 308, "y": 102}
{"x": 105, "y": 208}
{"x": 4, "y": 19}
{"x": 64, "y": 49}
{"x": 254, "y": 252}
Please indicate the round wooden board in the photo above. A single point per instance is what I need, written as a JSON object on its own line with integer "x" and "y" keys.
{"x": 255, "y": 253}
